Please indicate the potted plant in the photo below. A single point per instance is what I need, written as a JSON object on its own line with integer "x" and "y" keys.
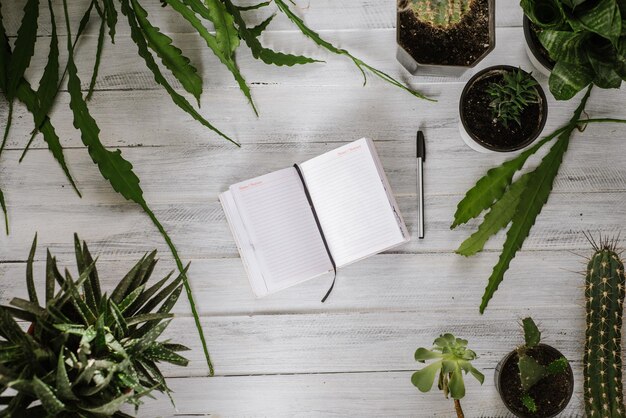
{"x": 604, "y": 302}
{"x": 583, "y": 41}
{"x": 86, "y": 353}
{"x": 534, "y": 380}
{"x": 444, "y": 37}
{"x": 502, "y": 109}
{"x": 452, "y": 358}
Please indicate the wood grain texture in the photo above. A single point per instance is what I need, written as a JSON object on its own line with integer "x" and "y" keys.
{"x": 289, "y": 355}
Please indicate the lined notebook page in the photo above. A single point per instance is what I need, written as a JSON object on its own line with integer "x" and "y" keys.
{"x": 352, "y": 205}
{"x": 281, "y": 228}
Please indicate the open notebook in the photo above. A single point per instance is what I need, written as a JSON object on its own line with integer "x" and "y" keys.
{"x": 274, "y": 223}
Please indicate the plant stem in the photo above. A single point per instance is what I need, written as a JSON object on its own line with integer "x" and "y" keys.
{"x": 458, "y": 409}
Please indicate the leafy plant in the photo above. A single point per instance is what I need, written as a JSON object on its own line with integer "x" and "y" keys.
{"x": 586, "y": 39}
{"x": 230, "y": 30}
{"x": 451, "y": 358}
{"x": 512, "y": 95}
{"x": 441, "y": 13}
{"x": 86, "y": 353}
{"x": 530, "y": 371}
{"x": 604, "y": 302}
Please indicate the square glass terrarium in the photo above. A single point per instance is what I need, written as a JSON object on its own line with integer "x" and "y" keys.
{"x": 444, "y": 37}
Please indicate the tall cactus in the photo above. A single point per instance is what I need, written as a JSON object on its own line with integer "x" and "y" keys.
{"x": 441, "y": 13}
{"x": 602, "y": 365}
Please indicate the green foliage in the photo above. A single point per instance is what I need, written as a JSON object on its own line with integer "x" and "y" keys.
{"x": 451, "y": 358}
{"x": 532, "y": 335}
{"x": 585, "y": 39}
{"x": 86, "y": 353}
{"x": 511, "y": 96}
{"x": 441, "y": 13}
{"x": 529, "y": 403}
{"x": 604, "y": 302}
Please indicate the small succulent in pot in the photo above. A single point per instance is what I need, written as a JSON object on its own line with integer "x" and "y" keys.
{"x": 502, "y": 109}
{"x": 535, "y": 380}
{"x": 452, "y": 358}
{"x": 86, "y": 353}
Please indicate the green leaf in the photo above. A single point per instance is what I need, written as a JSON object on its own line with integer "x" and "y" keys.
{"x": 3, "y": 206}
{"x": 498, "y": 217}
{"x": 566, "y": 80}
{"x": 605, "y": 75}
{"x": 96, "y": 65}
{"x": 266, "y": 55}
{"x": 24, "y": 47}
{"x": 456, "y": 384}
{"x": 124, "y": 287}
{"x": 254, "y": 6}
{"x": 111, "y": 17}
{"x": 138, "y": 319}
{"x": 565, "y": 46}
{"x": 258, "y": 29}
{"x": 63, "y": 385}
{"x": 162, "y": 295}
{"x": 47, "y": 90}
{"x": 362, "y": 66}
{"x": 530, "y": 371}
{"x": 110, "y": 407}
{"x": 529, "y": 403}
{"x": 424, "y": 379}
{"x": 543, "y": 13}
{"x": 180, "y": 101}
{"x": 90, "y": 297}
{"x": 149, "y": 338}
{"x": 130, "y": 298}
{"x": 604, "y": 19}
{"x": 558, "y": 366}
{"x": 532, "y": 335}
{"x": 171, "y": 56}
{"x": 225, "y": 31}
{"x": 531, "y": 202}
{"x": 147, "y": 294}
{"x": 30, "y": 283}
{"x": 49, "y": 401}
{"x": 161, "y": 353}
{"x": 28, "y": 306}
{"x": 422, "y": 354}
{"x": 468, "y": 368}
{"x": 93, "y": 275}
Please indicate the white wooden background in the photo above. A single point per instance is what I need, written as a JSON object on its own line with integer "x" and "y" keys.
{"x": 288, "y": 354}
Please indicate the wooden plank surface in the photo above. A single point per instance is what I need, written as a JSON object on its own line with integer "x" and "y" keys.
{"x": 288, "y": 354}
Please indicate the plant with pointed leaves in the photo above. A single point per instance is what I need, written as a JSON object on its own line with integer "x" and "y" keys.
{"x": 512, "y": 95}
{"x": 230, "y": 28}
{"x": 86, "y": 353}
{"x": 451, "y": 358}
{"x": 441, "y": 13}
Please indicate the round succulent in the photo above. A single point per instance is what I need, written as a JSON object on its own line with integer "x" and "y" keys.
{"x": 441, "y": 13}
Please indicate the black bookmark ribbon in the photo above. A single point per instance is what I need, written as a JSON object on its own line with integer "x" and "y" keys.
{"x": 319, "y": 228}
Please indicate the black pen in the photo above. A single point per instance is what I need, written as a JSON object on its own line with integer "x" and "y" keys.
{"x": 421, "y": 158}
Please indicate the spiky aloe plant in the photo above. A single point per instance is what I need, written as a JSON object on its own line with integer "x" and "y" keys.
{"x": 452, "y": 359}
{"x": 86, "y": 353}
{"x": 602, "y": 364}
{"x": 441, "y": 13}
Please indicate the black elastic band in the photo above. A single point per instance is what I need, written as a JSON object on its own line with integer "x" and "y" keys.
{"x": 319, "y": 227}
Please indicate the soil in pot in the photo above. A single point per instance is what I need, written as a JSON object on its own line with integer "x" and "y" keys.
{"x": 481, "y": 124}
{"x": 461, "y": 44}
{"x": 551, "y": 394}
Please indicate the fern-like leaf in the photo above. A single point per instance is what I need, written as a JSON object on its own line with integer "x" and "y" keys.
{"x": 362, "y": 66}
{"x": 171, "y": 56}
{"x": 225, "y": 31}
{"x": 111, "y": 17}
{"x": 46, "y": 92}
{"x": 24, "y": 47}
{"x": 531, "y": 201}
{"x": 96, "y": 65}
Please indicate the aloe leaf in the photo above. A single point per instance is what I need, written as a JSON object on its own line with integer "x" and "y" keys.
{"x": 24, "y": 47}
{"x": 63, "y": 385}
{"x": 11, "y": 331}
{"x": 171, "y": 56}
{"x": 90, "y": 297}
{"x": 3, "y": 206}
{"x": 45, "y": 394}
{"x": 110, "y": 407}
{"x": 149, "y": 338}
{"x": 28, "y": 306}
{"x": 96, "y": 65}
{"x": 93, "y": 275}
{"x": 130, "y": 298}
{"x": 498, "y": 217}
{"x": 146, "y": 295}
{"x": 180, "y": 101}
{"x": 161, "y": 353}
{"x": 111, "y": 17}
{"x": 138, "y": 319}
{"x": 530, "y": 204}
{"x": 250, "y": 37}
{"x": 161, "y": 296}
{"x": 30, "y": 283}
{"x": 362, "y": 66}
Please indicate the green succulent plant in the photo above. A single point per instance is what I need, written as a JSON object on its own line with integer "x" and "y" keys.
{"x": 451, "y": 358}
{"x": 511, "y": 96}
{"x": 441, "y": 13}
{"x": 586, "y": 39}
{"x": 530, "y": 371}
{"x": 86, "y": 353}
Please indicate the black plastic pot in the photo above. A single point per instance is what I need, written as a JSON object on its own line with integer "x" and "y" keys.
{"x": 468, "y": 132}
{"x": 499, "y": 378}
{"x": 537, "y": 54}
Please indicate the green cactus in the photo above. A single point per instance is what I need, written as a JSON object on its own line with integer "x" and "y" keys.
{"x": 602, "y": 365}
{"x": 441, "y": 13}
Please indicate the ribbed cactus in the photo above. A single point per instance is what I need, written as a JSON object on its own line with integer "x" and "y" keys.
{"x": 602, "y": 365}
{"x": 441, "y": 13}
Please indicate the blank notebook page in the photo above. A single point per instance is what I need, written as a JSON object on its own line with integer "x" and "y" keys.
{"x": 281, "y": 228}
{"x": 352, "y": 205}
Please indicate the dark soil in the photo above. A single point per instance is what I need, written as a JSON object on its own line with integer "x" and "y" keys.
{"x": 481, "y": 124}
{"x": 461, "y": 44}
{"x": 550, "y": 394}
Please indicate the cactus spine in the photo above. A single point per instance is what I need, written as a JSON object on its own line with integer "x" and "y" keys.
{"x": 441, "y": 13}
{"x": 602, "y": 365}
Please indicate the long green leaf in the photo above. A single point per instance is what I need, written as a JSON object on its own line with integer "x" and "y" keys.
{"x": 250, "y": 37}
{"x": 82, "y": 264}
{"x": 171, "y": 56}
{"x": 3, "y": 206}
{"x": 96, "y": 65}
{"x": 111, "y": 17}
{"x": 362, "y": 66}
{"x": 45, "y": 394}
{"x": 531, "y": 201}
{"x": 46, "y": 92}
{"x": 225, "y": 31}
{"x": 63, "y": 385}
{"x": 109, "y": 408}
{"x": 566, "y": 79}
{"x": 24, "y": 47}
{"x": 180, "y": 101}
{"x": 30, "y": 282}
{"x": 498, "y": 217}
